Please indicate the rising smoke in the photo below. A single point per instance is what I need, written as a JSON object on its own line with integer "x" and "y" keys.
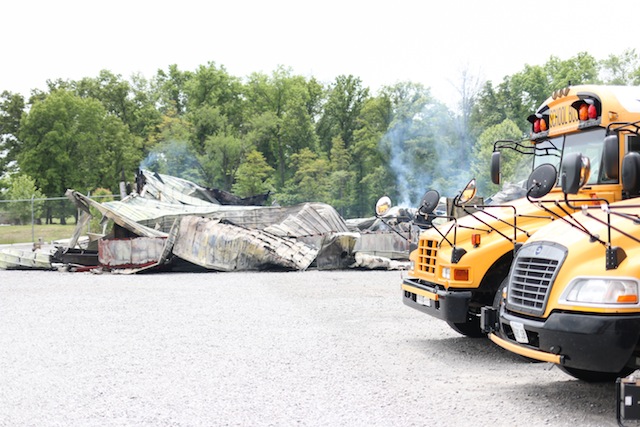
{"x": 174, "y": 158}
{"x": 426, "y": 153}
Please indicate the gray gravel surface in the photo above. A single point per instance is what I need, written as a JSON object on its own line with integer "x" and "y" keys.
{"x": 314, "y": 348}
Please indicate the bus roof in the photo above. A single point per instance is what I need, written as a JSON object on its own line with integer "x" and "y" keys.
{"x": 561, "y": 113}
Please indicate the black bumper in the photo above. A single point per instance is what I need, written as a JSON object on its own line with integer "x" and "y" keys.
{"x": 602, "y": 343}
{"x": 451, "y": 306}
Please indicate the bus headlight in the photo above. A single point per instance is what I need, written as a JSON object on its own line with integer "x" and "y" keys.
{"x": 601, "y": 290}
{"x": 446, "y": 273}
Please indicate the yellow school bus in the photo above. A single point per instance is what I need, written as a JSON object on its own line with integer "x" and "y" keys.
{"x": 573, "y": 292}
{"x": 459, "y": 265}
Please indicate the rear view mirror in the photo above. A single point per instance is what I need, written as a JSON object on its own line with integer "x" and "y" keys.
{"x": 611, "y": 156}
{"x": 429, "y": 202}
{"x": 495, "y": 167}
{"x": 576, "y": 170}
{"x": 383, "y": 205}
{"x": 630, "y": 171}
{"x": 468, "y": 193}
{"x": 541, "y": 180}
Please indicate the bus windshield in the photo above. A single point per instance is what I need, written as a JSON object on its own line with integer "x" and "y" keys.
{"x": 549, "y": 151}
{"x": 588, "y": 143}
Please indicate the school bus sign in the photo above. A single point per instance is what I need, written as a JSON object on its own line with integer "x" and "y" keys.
{"x": 562, "y": 115}
{"x": 566, "y": 111}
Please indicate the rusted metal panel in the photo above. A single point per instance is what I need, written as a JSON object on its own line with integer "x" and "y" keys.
{"x": 136, "y": 252}
{"x": 336, "y": 251}
{"x": 163, "y": 262}
{"x": 386, "y": 244}
{"x": 310, "y": 219}
{"x": 222, "y": 246}
{"x": 225, "y": 238}
{"x": 174, "y": 190}
{"x": 84, "y": 203}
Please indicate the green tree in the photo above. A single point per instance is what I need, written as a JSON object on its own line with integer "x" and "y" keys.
{"x": 22, "y": 187}
{"x": 525, "y": 91}
{"x": 341, "y": 179}
{"x": 73, "y": 142}
{"x": 222, "y": 158}
{"x": 279, "y": 109}
{"x": 489, "y": 109}
{"x": 314, "y": 98}
{"x": 11, "y": 108}
{"x": 207, "y": 121}
{"x": 111, "y": 90}
{"x": 345, "y": 100}
{"x": 510, "y": 160}
{"x": 132, "y": 102}
{"x": 311, "y": 182}
{"x": 520, "y": 94}
{"x": 253, "y": 176}
{"x": 169, "y": 87}
{"x": 369, "y": 163}
{"x": 214, "y": 86}
{"x": 621, "y": 69}
{"x": 579, "y": 69}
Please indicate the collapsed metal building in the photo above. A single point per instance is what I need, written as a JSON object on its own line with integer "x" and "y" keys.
{"x": 171, "y": 224}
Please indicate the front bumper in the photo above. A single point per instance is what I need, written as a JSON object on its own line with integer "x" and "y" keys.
{"x": 451, "y": 306}
{"x": 602, "y": 343}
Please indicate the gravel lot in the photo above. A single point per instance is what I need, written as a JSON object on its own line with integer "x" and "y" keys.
{"x": 314, "y": 348}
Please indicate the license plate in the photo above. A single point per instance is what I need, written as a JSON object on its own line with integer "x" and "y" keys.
{"x": 519, "y": 332}
{"x": 421, "y": 299}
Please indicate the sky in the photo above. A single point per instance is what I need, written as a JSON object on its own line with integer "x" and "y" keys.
{"x": 381, "y": 43}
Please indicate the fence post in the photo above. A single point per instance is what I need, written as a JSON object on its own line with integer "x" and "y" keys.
{"x": 33, "y": 233}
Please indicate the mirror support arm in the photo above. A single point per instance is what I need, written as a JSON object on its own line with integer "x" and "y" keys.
{"x": 514, "y": 225}
{"x": 493, "y": 228}
{"x": 575, "y": 222}
{"x": 444, "y": 236}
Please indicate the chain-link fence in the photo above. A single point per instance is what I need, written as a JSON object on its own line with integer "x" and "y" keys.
{"x": 42, "y": 216}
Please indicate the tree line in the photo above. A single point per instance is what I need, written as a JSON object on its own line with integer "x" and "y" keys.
{"x": 293, "y": 136}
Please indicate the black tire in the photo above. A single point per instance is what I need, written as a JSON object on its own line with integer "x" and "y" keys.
{"x": 595, "y": 376}
{"x": 497, "y": 297}
{"x": 471, "y": 328}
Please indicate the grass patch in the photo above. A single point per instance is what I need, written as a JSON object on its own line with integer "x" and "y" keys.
{"x": 10, "y": 234}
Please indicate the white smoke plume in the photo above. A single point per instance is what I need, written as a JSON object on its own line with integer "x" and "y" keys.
{"x": 426, "y": 155}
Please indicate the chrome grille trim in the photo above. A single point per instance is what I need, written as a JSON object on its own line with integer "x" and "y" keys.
{"x": 532, "y": 275}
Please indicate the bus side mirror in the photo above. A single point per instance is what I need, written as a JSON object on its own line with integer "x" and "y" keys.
{"x": 541, "y": 180}
{"x": 630, "y": 171}
{"x": 576, "y": 170}
{"x": 495, "y": 167}
{"x": 611, "y": 156}
{"x": 382, "y": 206}
{"x": 429, "y": 202}
{"x": 468, "y": 193}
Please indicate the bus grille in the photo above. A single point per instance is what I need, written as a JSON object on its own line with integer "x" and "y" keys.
{"x": 427, "y": 251}
{"x": 531, "y": 280}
